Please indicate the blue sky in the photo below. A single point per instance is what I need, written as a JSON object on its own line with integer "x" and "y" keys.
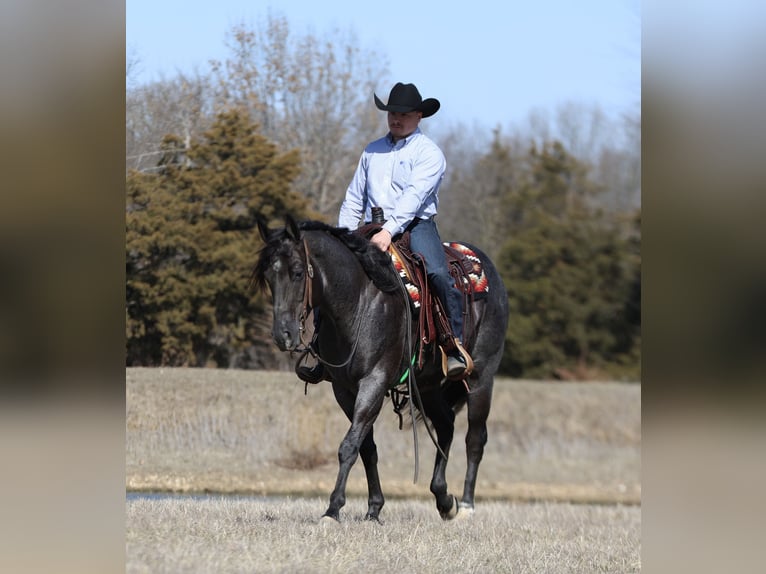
{"x": 489, "y": 62}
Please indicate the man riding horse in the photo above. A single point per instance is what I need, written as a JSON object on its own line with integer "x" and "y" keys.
{"x": 401, "y": 173}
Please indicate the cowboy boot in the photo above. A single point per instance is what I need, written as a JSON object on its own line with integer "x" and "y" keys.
{"x": 459, "y": 363}
{"x": 455, "y": 366}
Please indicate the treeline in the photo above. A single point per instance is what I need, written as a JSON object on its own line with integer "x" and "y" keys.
{"x": 279, "y": 127}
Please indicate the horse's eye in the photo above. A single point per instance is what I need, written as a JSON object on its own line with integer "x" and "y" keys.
{"x": 296, "y": 273}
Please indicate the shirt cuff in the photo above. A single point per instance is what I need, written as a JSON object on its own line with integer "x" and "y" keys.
{"x": 391, "y": 227}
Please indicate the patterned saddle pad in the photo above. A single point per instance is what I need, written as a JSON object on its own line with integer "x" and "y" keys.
{"x": 473, "y": 280}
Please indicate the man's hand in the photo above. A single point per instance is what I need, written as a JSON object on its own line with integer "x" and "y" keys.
{"x": 382, "y": 239}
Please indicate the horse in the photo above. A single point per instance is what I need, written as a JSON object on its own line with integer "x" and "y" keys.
{"x": 363, "y": 339}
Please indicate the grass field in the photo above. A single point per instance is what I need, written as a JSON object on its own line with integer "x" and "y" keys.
{"x": 238, "y": 535}
{"x": 558, "y": 491}
{"x": 198, "y": 430}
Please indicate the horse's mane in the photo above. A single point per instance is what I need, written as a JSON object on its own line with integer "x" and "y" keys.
{"x": 376, "y": 263}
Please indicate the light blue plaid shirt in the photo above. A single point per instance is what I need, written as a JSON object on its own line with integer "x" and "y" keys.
{"x": 403, "y": 178}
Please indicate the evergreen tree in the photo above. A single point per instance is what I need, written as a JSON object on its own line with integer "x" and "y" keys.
{"x": 471, "y": 203}
{"x": 191, "y": 243}
{"x": 571, "y": 275}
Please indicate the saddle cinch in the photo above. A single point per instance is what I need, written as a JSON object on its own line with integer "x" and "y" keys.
{"x": 433, "y": 324}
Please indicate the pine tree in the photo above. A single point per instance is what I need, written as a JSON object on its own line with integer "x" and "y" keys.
{"x": 191, "y": 243}
{"x": 571, "y": 275}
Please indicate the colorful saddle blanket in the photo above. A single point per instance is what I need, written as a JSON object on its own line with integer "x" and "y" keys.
{"x": 466, "y": 268}
{"x": 478, "y": 280}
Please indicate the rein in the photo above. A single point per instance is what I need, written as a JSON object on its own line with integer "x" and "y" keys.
{"x": 412, "y": 391}
{"x": 307, "y": 308}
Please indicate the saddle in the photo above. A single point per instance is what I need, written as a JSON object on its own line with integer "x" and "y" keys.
{"x": 433, "y": 324}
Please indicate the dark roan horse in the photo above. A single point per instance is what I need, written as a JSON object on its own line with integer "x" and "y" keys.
{"x": 363, "y": 342}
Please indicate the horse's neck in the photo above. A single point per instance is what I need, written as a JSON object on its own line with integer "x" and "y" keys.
{"x": 340, "y": 283}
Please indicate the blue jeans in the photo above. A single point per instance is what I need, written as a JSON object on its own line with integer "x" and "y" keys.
{"x": 424, "y": 239}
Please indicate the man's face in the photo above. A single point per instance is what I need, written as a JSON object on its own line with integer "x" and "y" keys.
{"x": 403, "y": 124}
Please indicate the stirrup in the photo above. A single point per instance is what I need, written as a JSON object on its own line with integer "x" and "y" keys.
{"x": 465, "y": 359}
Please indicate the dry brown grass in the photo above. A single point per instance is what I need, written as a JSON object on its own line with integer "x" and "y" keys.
{"x": 248, "y": 535}
{"x": 197, "y": 430}
{"x": 192, "y": 430}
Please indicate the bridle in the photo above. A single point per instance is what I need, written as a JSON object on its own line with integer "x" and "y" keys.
{"x": 309, "y": 348}
{"x": 307, "y": 290}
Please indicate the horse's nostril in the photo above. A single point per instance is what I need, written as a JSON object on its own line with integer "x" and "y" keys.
{"x": 287, "y": 339}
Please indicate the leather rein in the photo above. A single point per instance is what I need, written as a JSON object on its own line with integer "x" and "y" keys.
{"x": 308, "y": 348}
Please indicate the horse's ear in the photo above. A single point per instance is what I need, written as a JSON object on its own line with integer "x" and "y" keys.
{"x": 291, "y": 227}
{"x": 263, "y": 227}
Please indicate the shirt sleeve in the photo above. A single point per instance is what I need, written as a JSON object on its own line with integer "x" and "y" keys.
{"x": 352, "y": 208}
{"x": 426, "y": 174}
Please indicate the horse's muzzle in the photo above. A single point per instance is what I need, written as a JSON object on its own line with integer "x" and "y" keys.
{"x": 286, "y": 335}
{"x": 285, "y": 342}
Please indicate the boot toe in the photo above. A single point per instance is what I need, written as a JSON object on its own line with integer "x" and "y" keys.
{"x": 455, "y": 367}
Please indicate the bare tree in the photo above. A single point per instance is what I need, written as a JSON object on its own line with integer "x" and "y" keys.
{"x": 307, "y": 93}
{"x": 609, "y": 147}
{"x": 132, "y": 66}
{"x": 481, "y": 172}
{"x": 180, "y": 106}
{"x": 483, "y": 195}
{"x": 583, "y": 130}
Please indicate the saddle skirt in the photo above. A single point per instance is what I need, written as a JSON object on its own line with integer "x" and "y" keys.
{"x": 464, "y": 265}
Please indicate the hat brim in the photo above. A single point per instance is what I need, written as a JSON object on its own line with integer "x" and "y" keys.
{"x": 427, "y": 107}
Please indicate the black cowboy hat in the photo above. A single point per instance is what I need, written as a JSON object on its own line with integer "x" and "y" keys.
{"x": 406, "y": 98}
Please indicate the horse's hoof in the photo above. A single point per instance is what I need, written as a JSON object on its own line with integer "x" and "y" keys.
{"x": 328, "y": 522}
{"x": 452, "y": 512}
{"x": 464, "y": 512}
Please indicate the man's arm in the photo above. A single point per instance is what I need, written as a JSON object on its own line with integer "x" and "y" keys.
{"x": 352, "y": 208}
{"x": 424, "y": 179}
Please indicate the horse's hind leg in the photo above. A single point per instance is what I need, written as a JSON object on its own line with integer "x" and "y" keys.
{"x": 479, "y": 401}
{"x": 443, "y": 419}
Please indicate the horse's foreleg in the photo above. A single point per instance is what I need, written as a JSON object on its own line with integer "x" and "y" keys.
{"x": 347, "y": 453}
{"x": 369, "y": 454}
{"x": 362, "y": 411}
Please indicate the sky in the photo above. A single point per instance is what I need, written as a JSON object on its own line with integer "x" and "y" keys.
{"x": 490, "y": 63}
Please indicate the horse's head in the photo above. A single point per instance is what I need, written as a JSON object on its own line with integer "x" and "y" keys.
{"x": 283, "y": 267}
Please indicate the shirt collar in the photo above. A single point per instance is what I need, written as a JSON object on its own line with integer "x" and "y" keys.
{"x": 402, "y": 142}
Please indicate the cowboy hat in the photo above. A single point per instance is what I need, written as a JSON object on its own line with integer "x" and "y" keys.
{"x": 406, "y": 98}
